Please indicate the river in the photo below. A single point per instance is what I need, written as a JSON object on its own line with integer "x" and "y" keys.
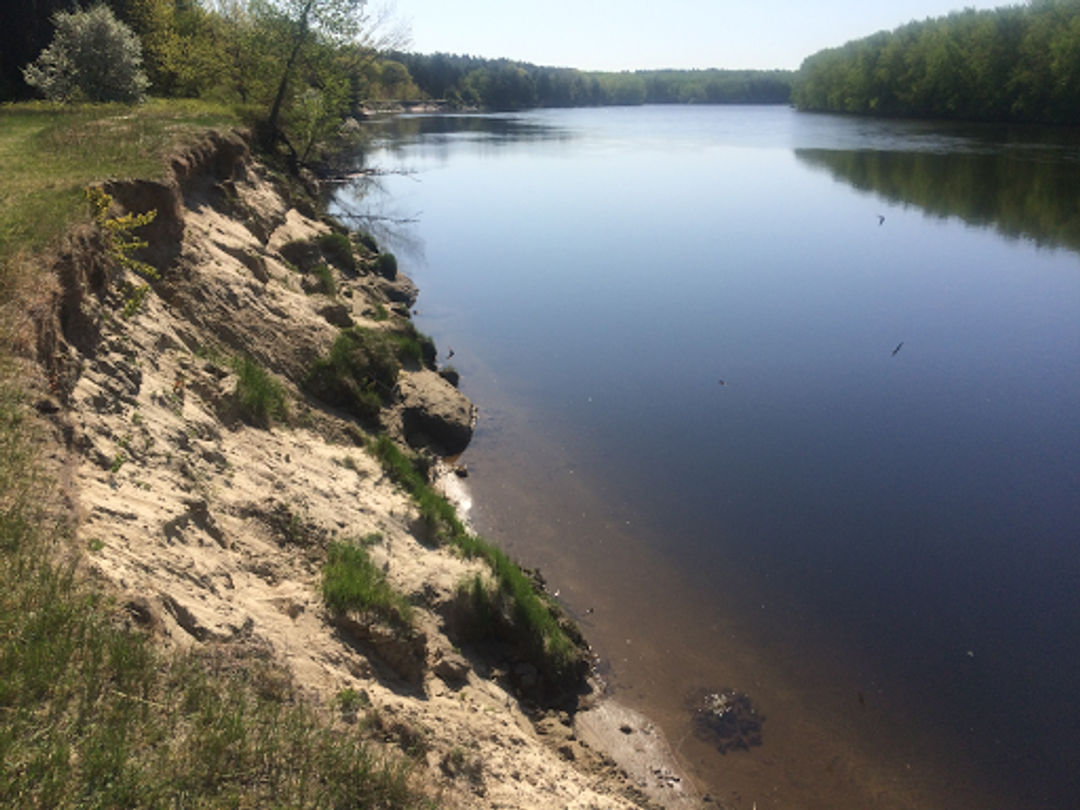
{"x": 780, "y": 402}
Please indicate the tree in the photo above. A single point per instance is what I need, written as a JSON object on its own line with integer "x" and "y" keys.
{"x": 93, "y": 56}
{"x": 305, "y": 23}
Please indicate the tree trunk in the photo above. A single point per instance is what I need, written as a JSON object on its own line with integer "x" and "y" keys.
{"x": 279, "y": 98}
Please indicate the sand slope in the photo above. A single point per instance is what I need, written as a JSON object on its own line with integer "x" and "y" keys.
{"x": 214, "y": 531}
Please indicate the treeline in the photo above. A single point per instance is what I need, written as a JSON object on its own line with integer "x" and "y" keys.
{"x": 1018, "y": 194}
{"x": 503, "y": 84}
{"x": 1020, "y": 63}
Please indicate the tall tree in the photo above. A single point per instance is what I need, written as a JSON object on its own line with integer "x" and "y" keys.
{"x": 306, "y": 23}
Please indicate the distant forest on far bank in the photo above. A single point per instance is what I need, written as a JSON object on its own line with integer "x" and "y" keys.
{"x": 1018, "y": 63}
{"x": 503, "y": 84}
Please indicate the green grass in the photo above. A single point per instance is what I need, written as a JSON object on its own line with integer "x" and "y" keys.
{"x": 259, "y": 396}
{"x": 352, "y": 583}
{"x": 327, "y": 283}
{"x": 516, "y": 606}
{"x": 386, "y": 265}
{"x": 362, "y": 367}
{"x": 49, "y": 153}
{"x": 337, "y": 249}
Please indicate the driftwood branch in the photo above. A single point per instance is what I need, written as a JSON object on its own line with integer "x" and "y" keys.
{"x": 346, "y": 177}
{"x": 379, "y": 218}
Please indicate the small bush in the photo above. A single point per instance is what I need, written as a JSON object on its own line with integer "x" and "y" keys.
{"x": 259, "y": 396}
{"x": 327, "y": 283}
{"x": 362, "y": 368}
{"x": 337, "y": 249}
{"x": 92, "y": 57}
{"x": 303, "y": 254}
{"x": 386, "y": 265}
{"x": 367, "y": 240}
{"x": 358, "y": 374}
{"x": 352, "y": 583}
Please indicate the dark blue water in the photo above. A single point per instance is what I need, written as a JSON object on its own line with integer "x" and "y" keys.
{"x": 687, "y": 319}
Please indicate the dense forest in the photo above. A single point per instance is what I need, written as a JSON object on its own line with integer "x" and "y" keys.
{"x": 1018, "y": 63}
{"x": 313, "y": 62}
{"x": 504, "y": 84}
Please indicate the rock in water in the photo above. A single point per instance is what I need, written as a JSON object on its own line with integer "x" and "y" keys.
{"x": 434, "y": 413}
{"x": 727, "y": 717}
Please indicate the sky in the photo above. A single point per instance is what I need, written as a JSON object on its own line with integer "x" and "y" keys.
{"x": 634, "y": 34}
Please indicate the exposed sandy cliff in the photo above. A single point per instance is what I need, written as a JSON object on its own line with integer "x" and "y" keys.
{"x": 214, "y": 531}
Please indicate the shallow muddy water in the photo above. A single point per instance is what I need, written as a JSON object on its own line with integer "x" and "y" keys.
{"x": 785, "y": 403}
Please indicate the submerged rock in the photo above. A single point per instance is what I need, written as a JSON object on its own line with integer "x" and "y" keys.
{"x": 728, "y": 718}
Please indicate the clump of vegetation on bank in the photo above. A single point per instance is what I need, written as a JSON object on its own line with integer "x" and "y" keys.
{"x": 259, "y": 397}
{"x": 515, "y": 610}
{"x": 358, "y": 374}
{"x": 362, "y": 367}
{"x": 337, "y": 248}
{"x": 352, "y": 583}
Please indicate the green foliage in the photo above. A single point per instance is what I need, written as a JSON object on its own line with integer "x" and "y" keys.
{"x": 359, "y": 372}
{"x": 516, "y": 609}
{"x": 1017, "y": 63}
{"x": 386, "y": 265}
{"x": 327, "y": 283}
{"x": 367, "y": 241}
{"x": 93, "y": 57}
{"x": 337, "y": 249}
{"x": 259, "y": 397}
{"x": 352, "y": 583}
{"x": 504, "y": 84}
{"x": 120, "y": 243}
{"x": 118, "y": 238}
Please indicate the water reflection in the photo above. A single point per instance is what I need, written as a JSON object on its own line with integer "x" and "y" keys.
{"x": 1030, "y": 194}
{"x": 403, "y": 131}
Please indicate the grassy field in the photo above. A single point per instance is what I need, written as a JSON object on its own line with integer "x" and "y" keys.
{"x": 49, "y": 153}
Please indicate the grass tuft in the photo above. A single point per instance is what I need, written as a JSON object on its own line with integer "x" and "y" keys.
{"x": 352, "y": 583}
{"x": 337, "y": 249}
{"x": 362, "y": 368}
{"x": 386, "y": 265}
{"x": 327, "y": 283}
{"x": 259, "y": 396}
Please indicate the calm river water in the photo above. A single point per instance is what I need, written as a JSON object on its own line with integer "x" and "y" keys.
{"x": 780, "y": 402}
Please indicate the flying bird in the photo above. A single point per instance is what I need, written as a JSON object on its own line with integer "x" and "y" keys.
{"x": 449, "y": 354}
{"x": 880, "y": 219}
{"x": 898, "y": 347}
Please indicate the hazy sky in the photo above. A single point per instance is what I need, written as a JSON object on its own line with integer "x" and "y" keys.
{"x": 627, "y": 34}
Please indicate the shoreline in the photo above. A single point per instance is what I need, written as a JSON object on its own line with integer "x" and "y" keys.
{"x": 211, "y": 529}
